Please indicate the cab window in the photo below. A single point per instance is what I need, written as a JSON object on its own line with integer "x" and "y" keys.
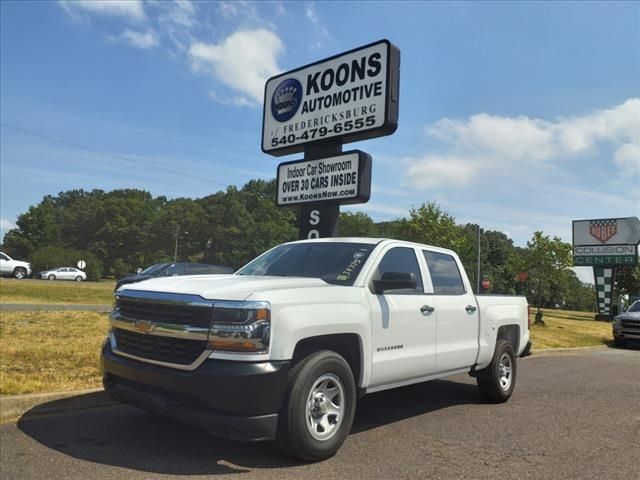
{"x": 401, "y": 260}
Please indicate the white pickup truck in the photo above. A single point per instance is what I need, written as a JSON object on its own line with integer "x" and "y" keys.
{"x": 282, "y": 349}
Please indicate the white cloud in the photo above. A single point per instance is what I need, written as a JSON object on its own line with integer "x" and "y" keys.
{"x": 492, "y": 144}
{"x": 235, "y": 8}
{"x": 130, "y": 9}
{"x": 143, "y": 40}
{"x": 236, "y": 101}
{"x": 627, "y": 158}
{"x": 516, "y": 138}
{"x": 434, "y": 171}
{"x": 6, "y": 225}
{"x": 243, "y": 61}
{"x": 176, "y": 20}
{"x": 322, "y": 31}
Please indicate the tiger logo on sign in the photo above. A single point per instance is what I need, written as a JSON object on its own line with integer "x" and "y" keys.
{"x": 603, "y": 230}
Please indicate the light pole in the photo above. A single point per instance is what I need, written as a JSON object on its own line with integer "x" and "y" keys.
{"x": 478, "y": 257}
{"x": 175, "y": 252}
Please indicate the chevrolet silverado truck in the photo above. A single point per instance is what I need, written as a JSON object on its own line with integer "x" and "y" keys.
{"x": 626, "y": 326}
{"x": 282, "y": 349}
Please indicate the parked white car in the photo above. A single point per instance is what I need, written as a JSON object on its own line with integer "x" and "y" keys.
{"x": 64, "y": 273}
{"x": 15, "y": 268}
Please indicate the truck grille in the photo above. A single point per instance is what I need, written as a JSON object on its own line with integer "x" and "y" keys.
{"x": 630, "y": 324}
{"x": 177, "y": 314}
{"x": 159, "y": 348}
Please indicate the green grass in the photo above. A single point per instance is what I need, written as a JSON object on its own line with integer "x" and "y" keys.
{"x": 59, "y": 351}
{"x": 57, "y": 291}
{"x": 566, "y": 329}
{"x": 50, "y": 351}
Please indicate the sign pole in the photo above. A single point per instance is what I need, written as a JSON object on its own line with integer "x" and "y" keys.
{"x": 318, "y": 220}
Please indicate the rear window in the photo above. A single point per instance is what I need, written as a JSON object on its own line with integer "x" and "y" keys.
{"x": 445, "y": 275}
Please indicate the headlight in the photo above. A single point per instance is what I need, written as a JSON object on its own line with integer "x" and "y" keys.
{"x": 616, "y": 320}
{"x": 241, "y": 327}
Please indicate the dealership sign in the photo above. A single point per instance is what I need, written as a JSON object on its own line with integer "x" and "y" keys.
{"x": 349, "y": 97}
{"x": 344, "y": 178}
{"x": 606, "y": 242}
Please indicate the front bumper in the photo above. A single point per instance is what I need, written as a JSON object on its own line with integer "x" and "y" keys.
{"x": 237, "y": 400}
{"x": 627, "y": 333}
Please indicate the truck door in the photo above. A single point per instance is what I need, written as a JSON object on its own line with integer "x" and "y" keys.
{"x": 404, "y": 327}
{"x": 456, "y": 312}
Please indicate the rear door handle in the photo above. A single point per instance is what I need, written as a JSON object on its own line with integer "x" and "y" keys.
{"x": 471, "y": 308}
{"x": 427, "y": 309}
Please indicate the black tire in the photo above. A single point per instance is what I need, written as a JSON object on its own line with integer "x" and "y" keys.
{"x": 619, "y": 342}
{"x": 51, "y": 277}
{"x": 294, "y": 437}
{"x": 491, "y": 383}
{"x": 20, "y": 273}
{"x": 78, "y": 278}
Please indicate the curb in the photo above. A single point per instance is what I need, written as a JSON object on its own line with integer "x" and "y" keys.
{"x": 12, "y": 406}
{"x": 546, "y": 352}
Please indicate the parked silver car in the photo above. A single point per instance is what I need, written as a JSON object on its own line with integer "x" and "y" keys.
{"x": 64, "y": 273}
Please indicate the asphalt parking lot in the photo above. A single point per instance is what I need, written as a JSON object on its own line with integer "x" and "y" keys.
{"x": 573, "y": 416}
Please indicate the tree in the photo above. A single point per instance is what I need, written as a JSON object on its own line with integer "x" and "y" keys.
{"x": 430, "y": 225}
{"x": 241, "y": 224}
{"x": 547, "y": 259}
{"x": 628, "y": 280}
{"x": 356, "y": 224}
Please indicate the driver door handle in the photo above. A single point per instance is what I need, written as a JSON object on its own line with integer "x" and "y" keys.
{"x": 471, "y": 308}
{"x": 427, "y": 309}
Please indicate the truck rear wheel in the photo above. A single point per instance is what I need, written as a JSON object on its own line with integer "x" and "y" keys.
{"x": 497, "y": 381}
{"x": 319, "y": 407}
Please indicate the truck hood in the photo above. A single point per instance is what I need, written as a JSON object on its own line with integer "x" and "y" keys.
{"x": 222, "y": 287}
{"x": 630, "y": 315}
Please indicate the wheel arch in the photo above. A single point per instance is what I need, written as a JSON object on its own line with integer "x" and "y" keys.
{"x": 348, "y": 345}
{"x": 510, "y": 333}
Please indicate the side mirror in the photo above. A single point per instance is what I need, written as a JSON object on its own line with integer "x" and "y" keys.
{"x": 394, "y": 281}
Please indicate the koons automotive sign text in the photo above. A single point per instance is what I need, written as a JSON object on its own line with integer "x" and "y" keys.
{"x": 352, "y": 96}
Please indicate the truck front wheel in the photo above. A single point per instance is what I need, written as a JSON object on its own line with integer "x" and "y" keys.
{"x": 20, "y": 273}
{"x": 318, "y": 411}
{"x": 497, "y": 381}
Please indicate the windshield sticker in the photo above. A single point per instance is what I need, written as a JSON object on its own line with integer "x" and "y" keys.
{"x": 347, "y": 272}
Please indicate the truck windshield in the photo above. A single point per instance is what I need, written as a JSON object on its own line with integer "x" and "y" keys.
{"x": 154, "y": 269}
{"x": 337, "y": 263}
{"x": 635, "y": 307}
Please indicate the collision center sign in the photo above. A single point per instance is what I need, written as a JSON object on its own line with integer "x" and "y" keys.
{"x": 343, "y": 179}
{"x": 349, "y": 97}
{"x": 606, "y": 242}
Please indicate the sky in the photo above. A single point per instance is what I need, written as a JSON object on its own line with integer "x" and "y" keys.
{"x": 517, "y": 116}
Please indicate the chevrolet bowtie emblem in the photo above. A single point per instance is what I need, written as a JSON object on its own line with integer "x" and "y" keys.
{"x": 143, "y": 327}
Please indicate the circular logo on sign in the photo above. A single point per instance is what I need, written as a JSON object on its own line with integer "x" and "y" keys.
{"x": 286, "y": 99}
